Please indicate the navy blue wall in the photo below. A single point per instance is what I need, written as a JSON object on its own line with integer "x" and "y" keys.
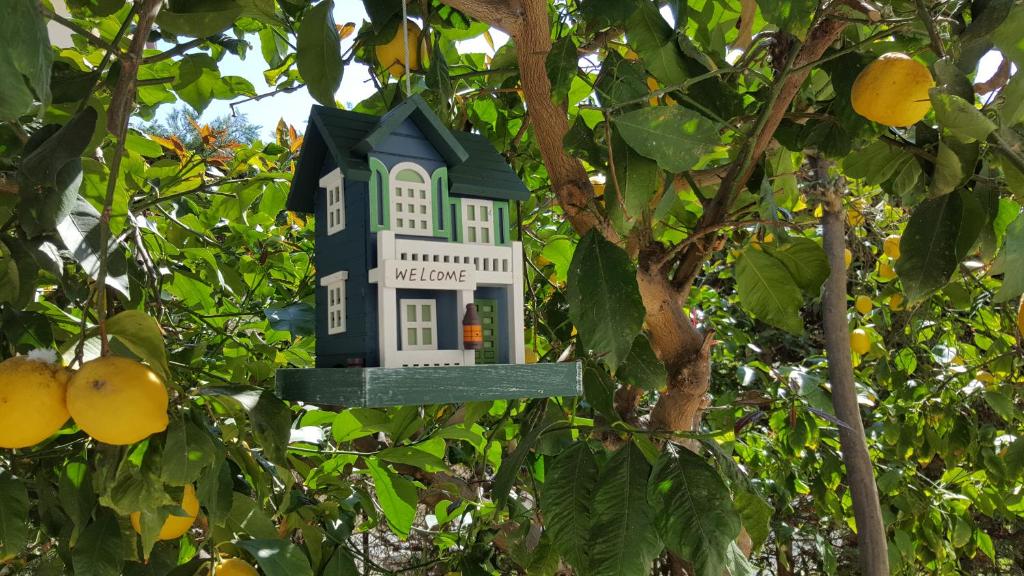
{"x": 407, "y": 144}
{"x": 449, "y": 321}
{"x": 345, "y": 250}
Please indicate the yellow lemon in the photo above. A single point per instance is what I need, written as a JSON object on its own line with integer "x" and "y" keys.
{"x": 847, "y": 257}
{"x": 598, "y": 190}
{"x": 392, "y": 55}
{"x": 885, "y": 270}
{"x": 859, "y": 341}
{"x": 234, "y": 567}
{"x": 984, "y": 376}
{"x": 854, "y": 218}
{"x": 32, "y": 400}
{"x": 893, "y": 90}
{"x": 896, "y": 302}
{"x": 891, "y": 247}
{"x": 175, "y": 526}
{"x": 531, "y": 356}
{"x": 862, "y": 304}
{"x": 117, "y": 400}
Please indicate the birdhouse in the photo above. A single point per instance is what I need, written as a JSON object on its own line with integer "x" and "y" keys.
{"x": 419, "y": 283}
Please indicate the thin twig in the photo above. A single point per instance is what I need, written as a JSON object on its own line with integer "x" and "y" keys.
{"x": 71, "y": 25}
{"x": 929, "y": 24}
{"x": 267, "y": 95}
{"x": 175, "y": 51}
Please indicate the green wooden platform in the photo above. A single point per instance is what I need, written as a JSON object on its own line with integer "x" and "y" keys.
{"x": 428, "y": 385}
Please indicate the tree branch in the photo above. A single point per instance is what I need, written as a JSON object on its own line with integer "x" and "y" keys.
{"x": 175, "y": 51}
{"x": 871, "y": 541}
{"x": 785, "y": 89}
{"x": 71, "y": 25}
{"x": 505, "y": 15}
{"x": 122, "y": 103}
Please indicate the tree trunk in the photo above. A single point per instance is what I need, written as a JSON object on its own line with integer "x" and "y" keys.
{"x": 871, "y": 542}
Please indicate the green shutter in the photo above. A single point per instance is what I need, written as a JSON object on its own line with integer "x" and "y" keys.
{"x": 456, "y": 225}
{"x": 502, "y": 229}
{"x": 440, "y": 204}
{"x": 379, "y": 195}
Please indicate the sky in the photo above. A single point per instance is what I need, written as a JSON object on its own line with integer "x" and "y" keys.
{"x": 356, "y": 85}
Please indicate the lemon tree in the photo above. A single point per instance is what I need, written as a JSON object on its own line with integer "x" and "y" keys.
{"x": 681, "y": 158}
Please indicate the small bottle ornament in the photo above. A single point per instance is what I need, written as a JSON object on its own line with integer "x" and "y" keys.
{"x": 472, "y": 329}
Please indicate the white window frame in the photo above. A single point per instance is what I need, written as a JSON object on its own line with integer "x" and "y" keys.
{"x": 418, "y": 324}
{"x": 477, "y": 230}
{"x": 337, "y": 314}
{"x": 334, "y": 184}
{"x": 411, "y": 197}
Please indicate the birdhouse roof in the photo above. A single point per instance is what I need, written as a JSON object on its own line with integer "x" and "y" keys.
{"x": 475, "y": 168}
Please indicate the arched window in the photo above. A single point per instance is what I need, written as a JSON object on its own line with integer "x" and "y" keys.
{"x": 411, "y": 210}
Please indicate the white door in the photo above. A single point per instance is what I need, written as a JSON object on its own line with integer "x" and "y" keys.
{"x": 410, "y": 200}
{"x": 477, "y": 221}
{"x": 418, "y": 323}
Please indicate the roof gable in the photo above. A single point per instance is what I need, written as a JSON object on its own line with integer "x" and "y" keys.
{"x": 475, "y": 168}
{"x": 415, "y": 109}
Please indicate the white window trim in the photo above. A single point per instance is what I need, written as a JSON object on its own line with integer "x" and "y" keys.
{"x": 337, "y": 315}
{"x": 418, "y": 325}
{"x": 334, "y": 184}
{"x": 477, "y": 225}
{"x": 396, "y": 202}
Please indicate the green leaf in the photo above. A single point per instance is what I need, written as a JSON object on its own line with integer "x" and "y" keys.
{"x": 984, "y": 542}
{"x": 357, "y": 423}
{"x": 604, "y": 300}
{"x": 1009, "y": 37}
{"x": 566, "y": 501}
{"x": 599, "y": 389}
{"x": 623, "y": 540}
{"x": 199, "y": 81}
{"x": 141, "y": 334}
{"x": 675, "y": 137}
{"x": 768, "y": 291}
{"x": 642, "y": 368}
{"x": 76, "y": 495}
{"x": 396, "y": 496}
{"x": 654, "y": 41}
{"x": 635, "y": 179}
{"x": 427, "y": 455}
{"x": 1002, "y": 404}
{"x": 99, "y": 551}
{"x": 1013, "y": 262}
{"x": 341, "y": 564}
{"x": 9, "y": 279}
{"x": 561, "y": 64}
{"x": 755, "y": 515}
{"x": 506, "y": 475}
{"x": 806, "y": 261}
{"x": 695, "y": 515}
{"x": 1012, "y": 110}
{"x": 940, "y": 233}
{"x": 187, "y": 452}
{"x": 319, "y": 53}
{"x": 271, "y": 423}
{"x": 559, "y": 251}
{"x": 960, "y": 116}
{"x": 949, "y": 171}
{"x": 214, "y": 489}
{"x": 794, "y": 17}
{"x": 277, "y": 557}
{"x": 620, "y": 80}
{"x": 198, "y": 18}
{"x": 13, "y": 516}
{"x": 247, "y": 517}
{"x": 42, "y": 165}
{"x": 25, "y": 60}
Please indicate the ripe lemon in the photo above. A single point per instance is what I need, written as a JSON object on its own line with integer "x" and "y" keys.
{"x": 32, "y": 400}
{"x": 984, "y": 376}
{"x": 847, "y": 257}
{"x": 235, "y": 567}
{"x": 891, "y": 247}
{"x": 854, "y": 217}
{"x": 893, "y": 90}
{"x": 392, "y": 55}
{"x": 896, "y": 302}
{"x": 117, "y": 400}
{"x": 174, "y": 526}
{"x": 859, "y": 341}
{"x": 885, "y": 270}
{"x": 862, "y": 304}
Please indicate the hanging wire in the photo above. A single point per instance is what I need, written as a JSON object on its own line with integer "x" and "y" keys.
{"x": 405, "y": 37}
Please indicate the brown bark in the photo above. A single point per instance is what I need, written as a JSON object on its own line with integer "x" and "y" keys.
{"x": 871, "y": 541}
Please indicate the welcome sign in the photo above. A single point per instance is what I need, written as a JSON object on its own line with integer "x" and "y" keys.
{"x": 428, "y": 275}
